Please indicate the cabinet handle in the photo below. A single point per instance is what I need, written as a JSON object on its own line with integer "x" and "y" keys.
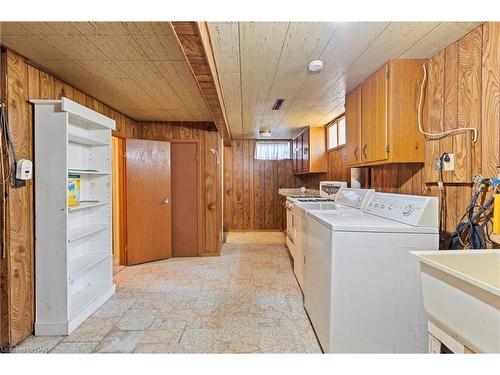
{"x": 364, "y": 150}
{"x": 306, "y": 150}
{"x": 356, "y": 152}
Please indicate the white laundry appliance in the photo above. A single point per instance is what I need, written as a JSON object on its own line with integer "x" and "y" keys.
{"x": 328, "y": 191}
{"x": 361, "y": 285}
{"x": 345, "y": 199}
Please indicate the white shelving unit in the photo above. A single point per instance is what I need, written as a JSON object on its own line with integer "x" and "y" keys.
{"x": 73, "y": 246}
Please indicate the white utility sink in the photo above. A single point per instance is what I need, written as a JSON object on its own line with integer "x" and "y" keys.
{"x": 461, "y": 291}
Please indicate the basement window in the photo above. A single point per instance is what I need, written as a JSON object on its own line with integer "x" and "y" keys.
{"x": 272, "y": 150}
{"x": 335, "y": 133}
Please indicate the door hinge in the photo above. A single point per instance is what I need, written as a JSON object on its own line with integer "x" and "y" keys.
{"x": 387, "y": 148}
{"x": 387, "y": 72}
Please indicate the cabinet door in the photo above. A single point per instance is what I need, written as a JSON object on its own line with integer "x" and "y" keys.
{"x": 299, "y": 153}
{"x": 295, "y": 156}
{"x": 374, "y": 117}
{"x": 305, "y": 150}
{"x": 353, "y": 126}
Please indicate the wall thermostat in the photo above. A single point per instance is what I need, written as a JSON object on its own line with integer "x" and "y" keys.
{"x": 24, "y": 170}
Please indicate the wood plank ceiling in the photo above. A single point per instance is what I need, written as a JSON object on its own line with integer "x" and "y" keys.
{"x": 259, "y": 62}
{"x": 138, "y": 68}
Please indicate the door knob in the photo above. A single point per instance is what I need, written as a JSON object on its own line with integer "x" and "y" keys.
{"x": 166, "y": 201}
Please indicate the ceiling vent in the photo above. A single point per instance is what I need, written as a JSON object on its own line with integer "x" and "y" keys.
{"x": 277, "y": 105}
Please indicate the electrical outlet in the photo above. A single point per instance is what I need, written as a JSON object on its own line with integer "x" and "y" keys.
{"x": 449, "y": 163}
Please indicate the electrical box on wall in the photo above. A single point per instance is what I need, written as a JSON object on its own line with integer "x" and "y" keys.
{"x": 445, "y": 161}
{"x": 24, "y": 170}
{"x": 449, "y": 163}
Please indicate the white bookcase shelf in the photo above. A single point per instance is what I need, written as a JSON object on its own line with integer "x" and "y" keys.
{"x": 80, "y": 265}
{"x": 83, "y": 171}
{"x": 90, "y": 204}
{"x": 73, "y": 263}
{"x": 85, "y": 230}
{"x": 85, "y": 297}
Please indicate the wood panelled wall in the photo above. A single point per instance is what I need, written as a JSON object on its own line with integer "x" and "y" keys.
{"x": 212, "y": 172}
{"x": 462, "y": 91}
{"x": 337, "y": 171}
{"x": 251, "y": 187}
{"x": 25, "y": 82}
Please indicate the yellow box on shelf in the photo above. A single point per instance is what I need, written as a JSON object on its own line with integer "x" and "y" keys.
{"x": 73, "y": 189}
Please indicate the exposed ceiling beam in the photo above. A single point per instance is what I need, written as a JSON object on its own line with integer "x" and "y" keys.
{"x": 195, "y": 42}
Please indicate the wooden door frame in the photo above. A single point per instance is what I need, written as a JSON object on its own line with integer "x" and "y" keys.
{"x": 123, "y": 204}
{"x": 201, "y": 206}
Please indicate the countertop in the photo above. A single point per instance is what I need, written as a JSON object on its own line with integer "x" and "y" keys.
{"x": 296, "y": 191}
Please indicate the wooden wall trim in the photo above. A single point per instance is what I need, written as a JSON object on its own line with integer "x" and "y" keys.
{"x": 194, "y": 41}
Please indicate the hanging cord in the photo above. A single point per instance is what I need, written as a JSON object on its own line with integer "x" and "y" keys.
{"x": 442, "y": 198}
{"x": 468, "y": 224}
{"x": 7, "y": 169}
{"x": 7, "y": 141}
{"x": 419, "y": 116}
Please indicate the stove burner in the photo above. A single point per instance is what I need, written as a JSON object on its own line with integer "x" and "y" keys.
{"x": 315, "y": 200}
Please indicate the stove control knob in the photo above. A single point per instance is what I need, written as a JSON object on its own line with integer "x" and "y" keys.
{"x": 407, "y": 209}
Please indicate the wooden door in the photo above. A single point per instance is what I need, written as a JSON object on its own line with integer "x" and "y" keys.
{"x": 148, "y": 189}
{"x": 185, "y": 203}
{"x": 305, "y": 150}
{"x": 374, "y": 117}
{"x": 353, "y": 126}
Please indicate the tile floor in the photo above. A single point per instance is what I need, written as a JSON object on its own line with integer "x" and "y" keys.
{"x": 245, "y": 301}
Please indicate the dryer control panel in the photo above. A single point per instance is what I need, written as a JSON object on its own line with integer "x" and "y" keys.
{"x": 356, "y": 198}
{"x": 414, "y": 210}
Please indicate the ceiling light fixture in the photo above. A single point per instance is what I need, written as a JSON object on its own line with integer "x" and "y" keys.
{"x": 315, "y": 65}
{"x": 265, "y": 133}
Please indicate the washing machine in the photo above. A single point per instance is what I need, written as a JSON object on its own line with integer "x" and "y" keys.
{"x": 361, "y": 285}
{"x": 343, "y": 199}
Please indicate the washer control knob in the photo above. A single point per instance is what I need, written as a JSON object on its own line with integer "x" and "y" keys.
{"x": 407, "y": 209}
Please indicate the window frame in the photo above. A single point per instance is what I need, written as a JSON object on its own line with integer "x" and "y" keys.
{"x": 271, "y": 141}
{"x": 331, "y": 124}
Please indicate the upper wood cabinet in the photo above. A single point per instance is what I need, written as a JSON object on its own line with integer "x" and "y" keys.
{"x": 309, "y": 151}
{"x": 381, "y": 116}
{"x": 353, "y": 126}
